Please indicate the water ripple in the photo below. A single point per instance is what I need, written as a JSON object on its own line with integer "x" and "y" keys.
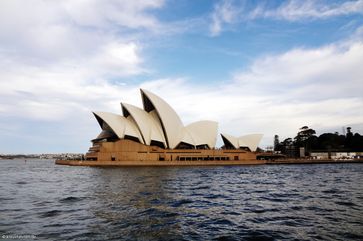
{"x": 294, "y": 202}
{"x": 51, "y": 213}
{"x": 70, "y": 199}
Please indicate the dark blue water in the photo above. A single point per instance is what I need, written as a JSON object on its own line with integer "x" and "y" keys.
{"x": 292, "y": 202}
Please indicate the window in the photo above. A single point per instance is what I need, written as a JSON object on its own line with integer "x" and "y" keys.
{"x": 91, "y": 159}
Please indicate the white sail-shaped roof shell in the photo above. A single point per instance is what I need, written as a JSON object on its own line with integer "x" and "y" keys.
{"x": 201, "y": 133}
{"x": 120, "y": 125}
{"x": 158, "y": 124}
{"x": 147, "y": 124}
{"x": 250, "y": 141}
{"x": 173, "y": 128}
{"x": 231, "y": 139}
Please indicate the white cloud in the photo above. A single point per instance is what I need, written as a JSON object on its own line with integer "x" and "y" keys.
{"x": 317, "y": 87}
{"x": 55, "y": 53}
{"x": 38, "y": 32}
{"x": 224, "y": 12}
{"x": 294, "y": 10}
{"x": 227, "y": 12}
{"x": 106, "y": 14}
{"x": 118, "y": 59}
{"x": 335, "y": 67}
{"x": 56, "y": 62}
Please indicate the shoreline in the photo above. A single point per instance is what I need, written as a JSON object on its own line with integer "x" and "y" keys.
{"x": 312, "y": 161}
{"x": 200, "y": 163}
{"x": 157, "y": 163}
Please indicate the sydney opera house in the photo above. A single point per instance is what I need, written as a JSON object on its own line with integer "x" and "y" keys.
{"x": 155, "y": 135}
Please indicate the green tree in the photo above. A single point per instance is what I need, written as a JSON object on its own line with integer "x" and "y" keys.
{"x": 288, "y": 148}
{"x": 329, "y": 140}
{"x": 305, "y": 138}
{"x": 357, "y": 142}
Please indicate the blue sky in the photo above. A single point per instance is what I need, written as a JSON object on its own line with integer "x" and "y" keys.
{"x": 254, "y": 66}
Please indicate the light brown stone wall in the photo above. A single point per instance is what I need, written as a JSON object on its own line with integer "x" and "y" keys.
{"x": 130, "y": 151}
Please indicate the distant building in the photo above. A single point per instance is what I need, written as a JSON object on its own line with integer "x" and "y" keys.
{"x": 336, "y": 155}
{"x": 302, "y": 151}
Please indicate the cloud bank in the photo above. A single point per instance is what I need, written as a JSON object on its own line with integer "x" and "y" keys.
{"x": 64, "y": 59}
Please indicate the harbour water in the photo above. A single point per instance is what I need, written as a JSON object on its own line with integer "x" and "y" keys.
{"x": 43, "y": 201}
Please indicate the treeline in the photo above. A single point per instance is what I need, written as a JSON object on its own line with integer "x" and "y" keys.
{"x": 306, "y": 137}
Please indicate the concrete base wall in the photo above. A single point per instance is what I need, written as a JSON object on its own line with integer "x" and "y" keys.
{"x": 127, "y": 150}
{"x": 158, "y": 163}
